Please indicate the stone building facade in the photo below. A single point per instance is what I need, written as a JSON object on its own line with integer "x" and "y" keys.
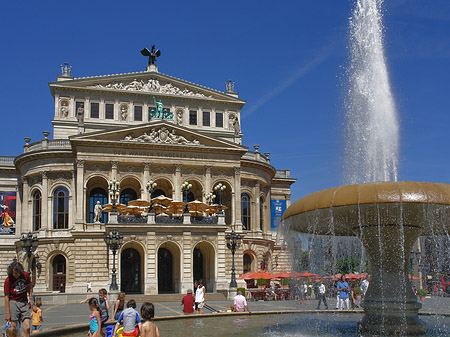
{"x": 135, "y": 128}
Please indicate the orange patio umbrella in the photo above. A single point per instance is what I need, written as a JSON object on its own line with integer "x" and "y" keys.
{"x": 283, "y": 274}
{"x": 307, "y": 274}
{"x": 246, "y": 276}
{"x": 262, "y": 274}
{"x": 413, "y": 277}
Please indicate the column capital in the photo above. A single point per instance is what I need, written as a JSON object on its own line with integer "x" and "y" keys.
{"x": 237, "y": 170}
{"x": 208, "y": 169}
{"x": 147, "y": 166}
{"x": 80, "y": 163}
{"x": 177, "y": 167}
{"x": 44, "y": 174}
{"x": 114, "y": 164}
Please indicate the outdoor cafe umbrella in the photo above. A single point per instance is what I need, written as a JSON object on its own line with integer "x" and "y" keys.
{"x": 352, "y": 277}
{"x": 413, "y": 277}
{"x": 262, "y": 274}
{"x": 139, "y": 203}
{"x": 159, "y": 208}
{"x": 162, "y": 200}
{"x": 215, "y": 208}
{"x": 107, "y": 207}
{"x": 197, "y": 206}
{"x": 307, "y": 274}
{"x": 246, "y": 276}
{"x": 283, "y": 274}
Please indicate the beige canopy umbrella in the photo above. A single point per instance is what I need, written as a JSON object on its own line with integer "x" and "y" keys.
{"x": 107, "y": 207}
{"x": 197, "y": 206}
{"x": 162, "y": 200}
{"x": 159, "y": 208}
{"x": 133, "y": 210}
{"x": 139, "y": 203}
{"x": 215, "y": 208}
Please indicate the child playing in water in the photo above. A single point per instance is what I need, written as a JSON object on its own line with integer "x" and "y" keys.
{"x": 94, "y": 318}
{"x": 36, "y": 317}
{"x": 104, "y": 306}
{"x": 149, "y": 329}
{"x": 130, "y": 318}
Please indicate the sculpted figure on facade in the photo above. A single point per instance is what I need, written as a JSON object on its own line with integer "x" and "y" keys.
{"x": 97, "y": 212}
{"x": 64, "y": 110}
{"x": 179, "y": 117}
{"x": 80, "y": 114}
{"x": 236, "y": 126}
{"x": 162, "y": 135}
{"x": 123, "y": 112}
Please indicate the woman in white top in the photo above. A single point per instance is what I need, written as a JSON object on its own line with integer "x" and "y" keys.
{"x": 199, "y": 297}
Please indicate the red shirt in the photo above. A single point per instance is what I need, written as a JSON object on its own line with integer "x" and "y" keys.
{"x": 17, "y": 288}
{"x": 188, "y": 301}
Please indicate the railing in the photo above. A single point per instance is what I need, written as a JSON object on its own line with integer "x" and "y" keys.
{"x": 7, "y": 161}
{"x": 169, "y": 220}
{"x": 54, "y": 144}
{"x": 257, "y": 156}
{"x": 283, "y": 174}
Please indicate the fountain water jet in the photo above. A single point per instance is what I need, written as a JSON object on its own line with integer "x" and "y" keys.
{"x": 388, "y": 217}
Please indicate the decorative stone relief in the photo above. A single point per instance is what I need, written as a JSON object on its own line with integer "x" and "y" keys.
{"x": 37, "y": 179}
{"x": 80, "y": 163}
{"x": 123, "y": 112}
{"x": 223, "y": 173}
{"x": 64, "y": 108}
{"x": 162, "y": 135}
{"x": 130, "y": 169}
{"x": 152, "y": 85}
{"x": 58, "y": 176}
{"x": 193, "y": 172}
{"x": 114, "y": 164}
{"x": 179, "y": 116}
{"x": 97, "y": 168}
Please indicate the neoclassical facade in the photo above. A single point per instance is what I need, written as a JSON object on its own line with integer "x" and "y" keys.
{"x": 135, "y": 128}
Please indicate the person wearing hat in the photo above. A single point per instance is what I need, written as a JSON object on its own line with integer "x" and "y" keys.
{"x": 188, "y": 302}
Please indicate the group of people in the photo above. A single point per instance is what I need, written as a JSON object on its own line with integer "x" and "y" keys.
{"x": 128, "y": 317}
{"x": 19, "y": 307}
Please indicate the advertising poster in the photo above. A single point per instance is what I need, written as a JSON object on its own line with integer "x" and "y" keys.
{"x": 7, "y": 213}
{"x": 277, "y": 208}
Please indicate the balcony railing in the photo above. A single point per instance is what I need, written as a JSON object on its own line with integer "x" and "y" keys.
{"x": 49, "y": 144}
{"x": 167, "y": 220}
{"x": 257, "y": 156}
{"x": 7, "y": 161}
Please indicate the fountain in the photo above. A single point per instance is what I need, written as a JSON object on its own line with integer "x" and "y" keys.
{"x": 388, "y": 216}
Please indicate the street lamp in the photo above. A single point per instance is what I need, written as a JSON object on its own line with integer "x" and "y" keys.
{"x": 219, "y": 188}
{"x": 210, "y": 198}
{"x": 151, "y": 186}
{"x": 186, "y": 187}
{"x": 29, "y": 244}
{"x": 233, "y": 243}
{"x": 114, "y": 241}
{"x": 114, "y": 193}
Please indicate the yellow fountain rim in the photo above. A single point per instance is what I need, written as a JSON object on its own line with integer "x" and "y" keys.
{"x": 369, "y": 193}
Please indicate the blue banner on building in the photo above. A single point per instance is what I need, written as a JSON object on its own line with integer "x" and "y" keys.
{"x": 277, "y": 208}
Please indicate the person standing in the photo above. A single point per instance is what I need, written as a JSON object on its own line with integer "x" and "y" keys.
{"x": 18, "y": 301}
{"x": 188, "y": 302}
{"x": 343, "y": 289}
{"x": 240, "y": 303}
{"x": 200, "y": 297}
{"x": 364, "y": 286}
{"x": 104, "y": 307}
{"x": 322, "y": 296}
{"x": 37, "y": 318}
{"x": 89, "y": 287}
{"x": 119, "y": 305}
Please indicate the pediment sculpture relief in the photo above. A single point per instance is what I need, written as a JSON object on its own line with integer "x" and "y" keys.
{"x": 152, "y": 85}
{"x": 162, "y": 135}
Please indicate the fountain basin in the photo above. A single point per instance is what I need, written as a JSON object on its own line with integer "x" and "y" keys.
{"x": 388, "y": 217}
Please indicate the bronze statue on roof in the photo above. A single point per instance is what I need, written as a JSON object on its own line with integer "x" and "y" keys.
{"x": 153, "y": 54}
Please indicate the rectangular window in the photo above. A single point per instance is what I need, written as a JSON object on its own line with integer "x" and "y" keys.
{"x": 192, "y": 117}
{"x": 206, "y": 118}
{"x": 219, "y": 119}
{"x": 95, "y": 108}
{"x": 137, "y": 113}
{"x": 109, "y": 111}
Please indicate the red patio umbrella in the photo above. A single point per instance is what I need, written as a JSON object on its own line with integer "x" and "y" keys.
{"x": 353, "y": 277}
{"x": 283, "y": 274}
{"x": 246, "y": 276}
{"x": 294, "y": 274}
{"x": 413, "y": 277}
{"x": 262, "y": 274}
{"x": 307, "y": 274}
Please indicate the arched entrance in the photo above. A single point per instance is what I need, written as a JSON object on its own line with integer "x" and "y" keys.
{"x": 130, "y": 271}
{"x": 59, "y": 273}
{"x": 169, "y": 275}
{"x": 204, "y": 266}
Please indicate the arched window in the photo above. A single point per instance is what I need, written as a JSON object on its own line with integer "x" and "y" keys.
{"x": 37, "y": 210}
{"x": 245, "y": 201}
{"x": 61, "y": 208}
{"x": 247, "y": 263}
{"x": 157, "y": 193}
{"x": 261, "y": 212}
{"x": 126, "y": 195}
{"x": 97, "y": 194}
{"x": 188, "y": 197}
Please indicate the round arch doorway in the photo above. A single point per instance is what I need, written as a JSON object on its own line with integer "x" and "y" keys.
{"x": 130, "y": 271}
{"x": 204, "y": 265}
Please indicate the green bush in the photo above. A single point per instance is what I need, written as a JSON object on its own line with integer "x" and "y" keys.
{"x": 261, "y": 282}
{"x": 358, "y": 291}
{"x": 421, "y": 292}
{"x": 242, "y": 290}
{"x": 284, "y": 281}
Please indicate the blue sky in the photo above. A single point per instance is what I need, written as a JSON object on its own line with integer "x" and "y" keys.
{"x": 287, "y": 59}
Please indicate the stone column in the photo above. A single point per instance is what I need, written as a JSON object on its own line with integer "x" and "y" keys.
{"x": 46, "y": 203}
{"x": 23, "y": 206}
{"x": 186, "y": 274}
{"x": 80, "y": 195}
{"x": 151, "y": 260}
{"x": 237, "y": 199}
{"x": 208, "y": 187}
{"x": 146, "y": 178}
{"x": 257, "y": 223}
{"x": 177, "y": 183}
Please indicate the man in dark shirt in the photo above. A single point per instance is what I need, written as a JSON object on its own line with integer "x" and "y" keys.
{"x": 188, "y": 302}
{"x": 18, "y": 290}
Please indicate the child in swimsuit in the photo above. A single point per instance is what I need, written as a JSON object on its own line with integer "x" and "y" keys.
{"x": 94, "y": 318}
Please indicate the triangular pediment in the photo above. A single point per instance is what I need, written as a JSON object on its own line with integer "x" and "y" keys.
{"x": 157, "y": 133}
{"x": 145, "y": 83}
